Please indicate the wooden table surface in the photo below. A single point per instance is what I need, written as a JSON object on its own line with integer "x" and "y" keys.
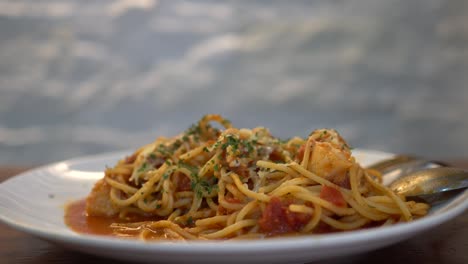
{"x": 447, "y": 243}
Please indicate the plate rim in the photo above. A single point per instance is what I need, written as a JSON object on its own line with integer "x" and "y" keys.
{"x": 317, "y": 241}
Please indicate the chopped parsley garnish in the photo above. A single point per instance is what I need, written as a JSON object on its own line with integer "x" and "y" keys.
{"x": 199, "y": 186}
{"x": 193, "y": 183}
{"x": 167, "y": 151}
{"x": 240, "y": 147}
{"x": 191, "y": 168}
{"x": 167, "y": 174}
{"x": 249, "y": 146}
{"x": 143, "y": 167}
{"x": 190, "y": 221}
{"x": 176, "y": 144}
{"x": 231, "y": 141}
{"x": 193, "y": 130}
{"x": 164, "y": 150}
{"x": 202, "y": 186}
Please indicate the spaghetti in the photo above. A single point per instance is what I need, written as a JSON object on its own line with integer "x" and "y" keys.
{"x": 209, "y": 183}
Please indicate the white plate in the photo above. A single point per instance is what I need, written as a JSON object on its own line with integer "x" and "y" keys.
{"x": 34, "y": 203}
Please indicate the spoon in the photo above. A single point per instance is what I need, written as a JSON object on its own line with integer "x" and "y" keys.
{"x": 402, "y": 165}
{"x": 432, "y": 185}
{"x": 422, "y": 180}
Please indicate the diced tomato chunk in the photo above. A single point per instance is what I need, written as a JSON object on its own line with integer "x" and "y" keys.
{"x": 231, "y": 199}
{"x": 222, "y": 210}
{"x": 130, "y": 159}
{"x": 300, "y": 152}
{"x": 277, "y": 219}
{"x": 333, "y": 196}
{"x": 183, "y": 182}
{"x": 241, "y": 170}
{"x": 276, "y": 156}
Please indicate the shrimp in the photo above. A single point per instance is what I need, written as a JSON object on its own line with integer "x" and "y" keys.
{"x": 330, "y": 156}
{"x": 98, "y": 202}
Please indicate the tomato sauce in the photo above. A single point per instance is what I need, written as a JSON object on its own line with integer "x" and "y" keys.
{"x": 79, "y": 221}
{"x": 275, "y": 220}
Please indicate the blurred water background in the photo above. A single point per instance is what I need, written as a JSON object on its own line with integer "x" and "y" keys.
{"x": 84, "y": 77}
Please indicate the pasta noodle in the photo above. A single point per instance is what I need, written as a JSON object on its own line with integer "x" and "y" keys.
{"x": 213, "y": 183}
